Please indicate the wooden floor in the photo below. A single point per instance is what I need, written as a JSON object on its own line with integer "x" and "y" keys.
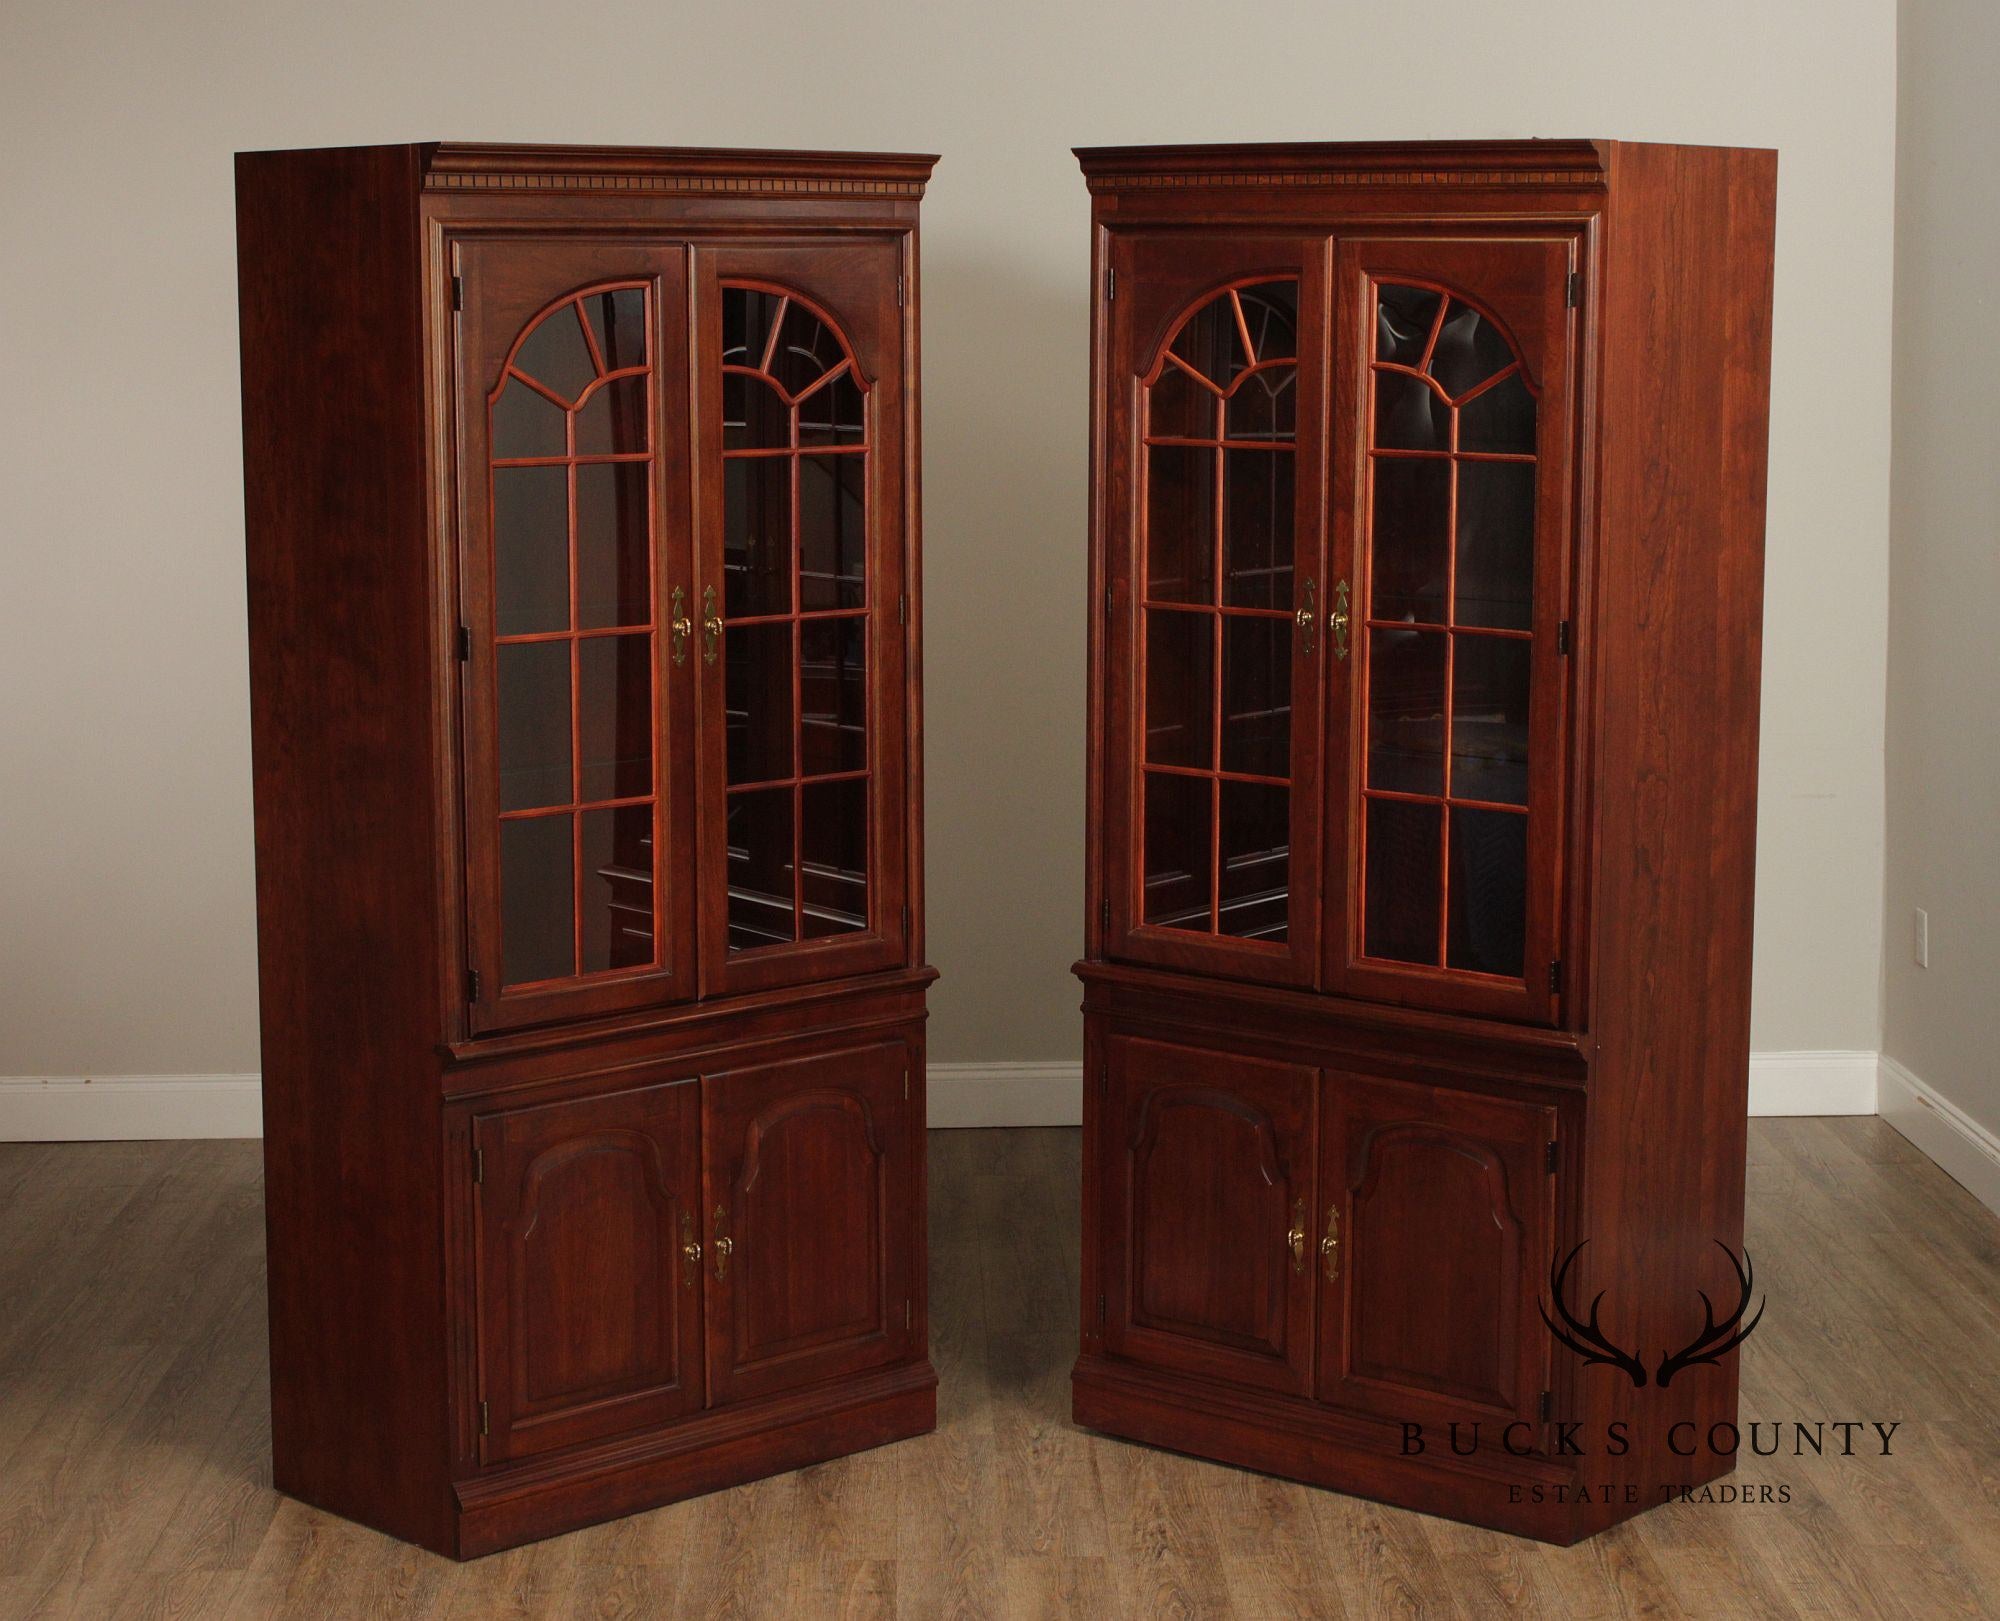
{"x": 133, "y": 1476}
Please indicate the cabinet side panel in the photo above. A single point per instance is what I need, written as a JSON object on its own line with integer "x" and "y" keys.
{"x": 1675, "y": 624}
{"x": 340, "y": 647}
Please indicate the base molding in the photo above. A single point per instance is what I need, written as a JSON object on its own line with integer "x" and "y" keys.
{"x": 120, "y": 1108}
{"x": 1961, "y": 1146}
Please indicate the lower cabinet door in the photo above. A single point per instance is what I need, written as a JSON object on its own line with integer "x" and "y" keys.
{"x": 1209, "y": 1192}
{"x": 589, "y": 1302}
{"x": 1433, "y": 1237}
{"x": 808, "y": 1218}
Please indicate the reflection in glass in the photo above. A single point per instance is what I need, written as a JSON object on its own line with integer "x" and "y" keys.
{"x": 1469, "y": 350}
{"x": 1500, "y": 418}
{"x": 806, "y": 351}
{"x": 759, "y": 837}
{"x": 1257, "y": 696}
{"x": 613, "y": 557}
{"x": 530, "y": 550}
{"x": 833, "y": 696}
{"x": 833, "y": 847}
{"x": 1271, "y": 312}
{"x": 1489, "y": 719}
{"x": 756, "y": 535}
{"x": 1257, "y": 519}
{"x": 615, "y": 716}
{"x": 1211, "y": 343}
{"x": 533, "y": 732}
{"x": 757, "y": 699}
{"x": 1256, "y": 861}
{"x": 1264, "y": 406}
{"x": 1179, "y": 407}
{"x": 833, "y": 531}
{"x": 1496, "y": 544}
{"x": 555, "y": 355}
{"x": 832, "y": 415}
{"x": 1178, "y": 868}
{"x": 1409, "y": 415}
{"x": 1404, "y": 881}
{"x": 1404, "y": 317}
{"x": 1406, "y": 711}
{"x": 618, "y": 322}
{"x": 747, "y": 314}
{"x": 1411, "y": 534}
{"x": 612, "y": 422}
{"x": 537, "y": 927}
{"x": 617, "y": 887}
{"x": 1180, "y": 688}
{"x": 1180, "y": 524}
{"x": 754, "y": 414}
{"x": 528, "y": 424}
{"x": 1489, "y": 885}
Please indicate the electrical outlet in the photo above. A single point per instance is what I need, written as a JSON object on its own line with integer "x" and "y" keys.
{"x": 1921, "y": 945}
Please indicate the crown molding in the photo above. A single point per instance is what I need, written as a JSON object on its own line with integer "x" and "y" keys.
{"x": 633, "y": 170}
{"x": 1560, "y": 164}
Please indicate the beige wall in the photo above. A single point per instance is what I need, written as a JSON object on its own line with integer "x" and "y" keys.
{"x": 125, "y": 879}
{"x": 1943, "y": 1023}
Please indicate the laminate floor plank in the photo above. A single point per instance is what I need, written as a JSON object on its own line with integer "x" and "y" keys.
{"x": 135, "y": 1476}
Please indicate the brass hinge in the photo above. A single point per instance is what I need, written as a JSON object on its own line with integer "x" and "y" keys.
{"x": 903, "y": 610}
{"x": 478, "y": 1166}
{"x": 906, "y": 1083}
{"x": 1573, "y": 295}
{"x": 1548, "y": 1404}
{"x": 457, "y": 294}
{"x": 472, "y": 984}
{"x": 1555, "y": 978}
{"x": 909, "y": 1313}
{"x": 464, "y": 643}
{"x": 1104, "y": 914}
{"x": 899, "y": 292}
{"x": 906, "y": 923}
{"x": 1110, "y": 283}
{"x": 1103, "y": 1079}
{"x": 1562, "y": 638}
{"x": 1554, "y": 1157}
{"x": 1107, "y": 604}
{"x": 485, "y": 1420}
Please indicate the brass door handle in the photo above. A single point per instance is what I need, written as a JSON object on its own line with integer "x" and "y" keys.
{"x": 1308, "y": 616}
{"x": 711, "y": 625}
{"x": 722, "y": 1248}
{"x": 1329, "y": 1246}
{"x": 681, "y": 626}
{"x": 1296, "y": 1236}
{"x": 1337, "y": 620}
{"x": 690, "y": 1252}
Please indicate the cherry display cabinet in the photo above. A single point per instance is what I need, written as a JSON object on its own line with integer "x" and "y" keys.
{"x": 581, "y": 492}
{"x": 1427, "y": 514}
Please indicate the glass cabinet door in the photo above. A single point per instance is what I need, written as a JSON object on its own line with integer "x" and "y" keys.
{"x": 1454, "y": 406}
{"x": 574, "y": 544}
{"x": 801, "y": 615}
{"x": 1214, "y": 596}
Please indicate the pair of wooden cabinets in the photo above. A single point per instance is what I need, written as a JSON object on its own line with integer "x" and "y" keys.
{"x": 582, "y": 518}
{"x": 1427, "y": 535}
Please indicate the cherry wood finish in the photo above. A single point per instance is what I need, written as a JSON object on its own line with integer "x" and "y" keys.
{"x": 510, "y": 1075}
{"x": 1510, "y": 1012}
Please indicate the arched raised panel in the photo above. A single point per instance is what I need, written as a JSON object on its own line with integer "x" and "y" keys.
{"x": 589, "y": 1317}
{"x": 1209, "y": 1180}
{"x": 1440, "y": 1207}
{"x": 807, "y": 1163}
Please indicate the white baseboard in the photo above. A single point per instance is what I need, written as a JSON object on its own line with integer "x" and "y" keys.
{"x": 1965, "y": 1149}
{"x": 100, "y": 1109}
{"x": 78, "y": 1108}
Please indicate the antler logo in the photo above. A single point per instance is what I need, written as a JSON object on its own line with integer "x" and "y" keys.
{"x": 1589, "y": 1341}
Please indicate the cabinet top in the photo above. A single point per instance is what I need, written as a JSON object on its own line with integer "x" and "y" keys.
{"x": 460, "y": 166}
{"x": 1566, "y": 163}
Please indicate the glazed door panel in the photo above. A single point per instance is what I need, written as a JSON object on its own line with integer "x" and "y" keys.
{"x": 810, "y": 1189}
{"x": 1212, "y": 491}
{"x": 1208, "y": 1192}
{"x": 1432, "y": 1239}
{"x": 574, "y": 555}
{"x": 801, "y": 618}
{"x": 589, "y": 1284}
{"x": 1452, "y": 478}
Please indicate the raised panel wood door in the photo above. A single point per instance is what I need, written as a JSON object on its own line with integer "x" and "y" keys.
{"x": 1453, "y": 423}
{"x": 1213, "y": 515}
{"x": 799, "y": 428}
{"x": 810, "y": 1184}
{"x": 588, "y": 1267}
{"x": 1208, "y": 1190}
{"x": 1431, "y": 1240}
{"x": 575, "y": 566}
